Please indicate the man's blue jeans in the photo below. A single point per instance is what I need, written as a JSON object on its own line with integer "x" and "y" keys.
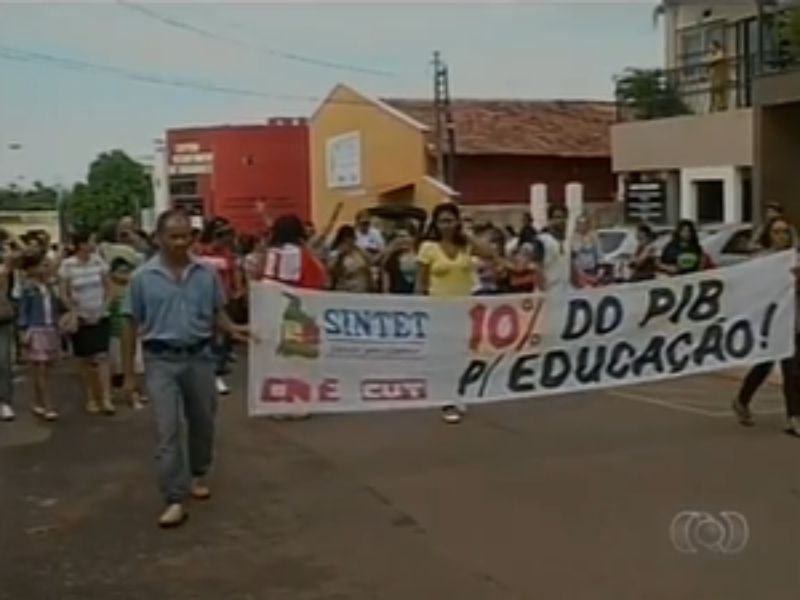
{"x": 181, "y": 389}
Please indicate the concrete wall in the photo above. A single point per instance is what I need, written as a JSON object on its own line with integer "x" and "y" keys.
{"x": 716, "y": 139}
{"x": 777, "y": 173}
{"x": 780, "y": 88}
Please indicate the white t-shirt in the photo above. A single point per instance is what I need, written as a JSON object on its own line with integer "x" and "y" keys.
{"x": 372, "y": 240}
{"x": 47, "y": 303}
{"x": 556, "y": 263}
{"x": 86, "y": 285}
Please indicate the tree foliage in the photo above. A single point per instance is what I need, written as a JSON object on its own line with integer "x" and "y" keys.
{"x": 790, "y": 31}
{"x": 116, "y": 185}
{"x": 648, "y": 94}
{"x": 39, "y": 197}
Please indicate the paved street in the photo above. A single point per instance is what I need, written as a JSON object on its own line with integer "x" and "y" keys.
{"x": 568, "y": 497}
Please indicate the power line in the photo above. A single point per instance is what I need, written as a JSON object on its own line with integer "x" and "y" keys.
{"x": 187, "y": 27}
{"x": 80, "y": 66}
{"x": 18, "y": 55}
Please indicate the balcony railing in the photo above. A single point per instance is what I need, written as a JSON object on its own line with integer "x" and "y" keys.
{"x": 697, "y": 88}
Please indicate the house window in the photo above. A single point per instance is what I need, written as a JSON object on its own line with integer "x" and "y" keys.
{"x": 695, "y": 44}
{"x": 183, "y": 186}
{"x": 343, "y": 160}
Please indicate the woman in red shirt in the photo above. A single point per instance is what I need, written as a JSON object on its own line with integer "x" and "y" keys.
{"x": 289, "y": 260}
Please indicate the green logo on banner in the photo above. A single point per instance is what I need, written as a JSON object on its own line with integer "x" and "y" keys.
{"x": 299, "y": 331}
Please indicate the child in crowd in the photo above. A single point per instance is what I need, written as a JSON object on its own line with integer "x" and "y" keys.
{"x": 39, "y": 312}
{"x": 120, "y": 273}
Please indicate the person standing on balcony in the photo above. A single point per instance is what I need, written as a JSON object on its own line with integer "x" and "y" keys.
{"x": 718, "y": 76}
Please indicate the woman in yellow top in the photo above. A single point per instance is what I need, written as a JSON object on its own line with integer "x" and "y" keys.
{"x": 446, "y": 268}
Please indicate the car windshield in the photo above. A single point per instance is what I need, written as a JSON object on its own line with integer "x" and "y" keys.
{"x": 610, "y": 240}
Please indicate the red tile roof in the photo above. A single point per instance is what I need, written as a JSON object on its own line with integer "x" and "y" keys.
{"x": 523, "y": 127}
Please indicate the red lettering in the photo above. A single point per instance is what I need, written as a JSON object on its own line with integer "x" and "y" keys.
{"x": 288, "y": 389}
{"x": 329, "y": 391}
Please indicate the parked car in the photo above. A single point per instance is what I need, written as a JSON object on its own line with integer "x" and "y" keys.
{"x": 728, "y": 245}
{"x": 618, "y": 246}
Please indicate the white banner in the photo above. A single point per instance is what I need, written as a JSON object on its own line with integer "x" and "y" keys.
{"x": 335, "y": 352}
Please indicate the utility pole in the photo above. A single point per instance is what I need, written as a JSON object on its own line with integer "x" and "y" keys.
{"x": 444, "y": 127}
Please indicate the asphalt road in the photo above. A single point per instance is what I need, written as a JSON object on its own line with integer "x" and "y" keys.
{"x": 568, "y": 497}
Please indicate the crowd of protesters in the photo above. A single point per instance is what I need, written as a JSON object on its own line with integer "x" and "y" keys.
{"x": 75, "y": 300}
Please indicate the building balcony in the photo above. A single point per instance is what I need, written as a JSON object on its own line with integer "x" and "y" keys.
{"x": 698, "y": 88}
{"x": 698, "y": 115}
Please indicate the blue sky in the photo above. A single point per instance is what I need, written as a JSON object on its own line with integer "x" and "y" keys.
{"x": 64, "y": 118}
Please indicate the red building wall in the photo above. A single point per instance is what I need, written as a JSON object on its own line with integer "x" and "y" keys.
{"x": 504, "y": 179}
{"x": 255, "y": 164}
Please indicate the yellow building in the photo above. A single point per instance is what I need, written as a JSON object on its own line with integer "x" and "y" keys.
{"x": 365, "y": 153}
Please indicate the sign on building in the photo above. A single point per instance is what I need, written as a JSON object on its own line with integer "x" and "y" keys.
{"x": 343, "y": 160}
{"x": 646, "y": 201}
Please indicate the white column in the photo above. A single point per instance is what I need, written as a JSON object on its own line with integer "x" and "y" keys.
{"x": 538, "y": 201}
{"x": 733, "y": 196}
{"x": 621, "y": 178}
{"x": 688, "y": 196}
{"x": 160, "y": 180}
{"x": 574, "y": 195}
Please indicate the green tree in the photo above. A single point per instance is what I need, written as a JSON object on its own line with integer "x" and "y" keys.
{"x": 789, "y": 29}
{"x": 647, "y": 94}
{"x": 39, "y": 197}
{"x": 116, "y": 185}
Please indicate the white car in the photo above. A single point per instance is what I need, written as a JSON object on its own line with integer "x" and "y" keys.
{"x": 618, "y": 246}
{"x": 728, "y": 245}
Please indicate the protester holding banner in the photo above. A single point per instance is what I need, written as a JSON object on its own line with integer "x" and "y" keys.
{"x": 289, "y": 258}
{"x": 585, "y": 254}
{"x": 684, "y": 254}
{"x": 556, "y": 258}
{"x": 644, "y": 264}
{"x": 777, "y": 236}
{"x": 491, "y": 276}
{"x": 399, "y": 269}
{"x": 368, "y": 237}
{"x": 524, "y": 273}
{"x": 445, "y": 266}
{"x": 348, "y": 265}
